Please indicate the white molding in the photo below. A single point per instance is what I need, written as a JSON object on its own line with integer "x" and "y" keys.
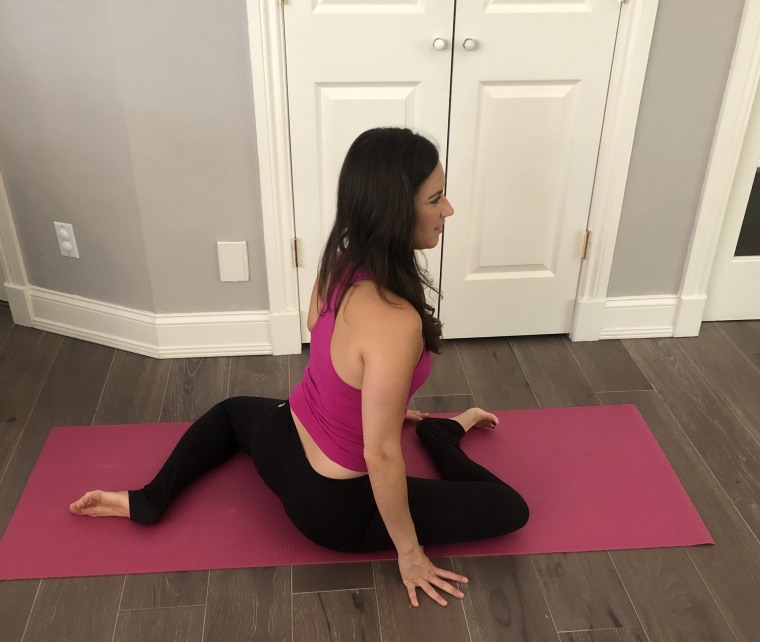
{"x": 724, "y": 158}
{"x": 160, "y": 336}
{"x": 624, "y": 97}
{"x": 19, "y": 303}
{"x": 16, "y": 283}
{"x": 639, "y": 317}
{"x": 689, "y": 316}
{"x": 270, "y": 94}
{"x": 285, "y": 333}
{"x": 588, "y": 319}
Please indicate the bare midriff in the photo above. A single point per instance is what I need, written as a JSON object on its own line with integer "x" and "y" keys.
{"x": 320, "y": 462}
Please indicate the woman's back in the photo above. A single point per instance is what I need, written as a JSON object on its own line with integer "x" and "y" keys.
{"x": 327, "y": 403}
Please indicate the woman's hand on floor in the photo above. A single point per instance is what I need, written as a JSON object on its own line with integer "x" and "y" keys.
{"x": 417, "y": 571}
{"x": 415, "y": 415}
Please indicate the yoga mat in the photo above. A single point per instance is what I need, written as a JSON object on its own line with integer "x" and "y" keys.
{"x": 594, "y": 478}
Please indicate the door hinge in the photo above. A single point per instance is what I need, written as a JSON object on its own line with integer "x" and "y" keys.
{"x": 296, "y": 258}
{"x": 586, "y": 243}
{"x": 621, "y": 1}
{"x": 286, "y": 1}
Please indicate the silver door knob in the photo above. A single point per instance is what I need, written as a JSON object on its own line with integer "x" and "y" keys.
{"x": 469, "y": 44}
{"x": 439, "y": 44}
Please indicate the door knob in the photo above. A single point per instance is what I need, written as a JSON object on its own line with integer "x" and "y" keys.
{"x": 469, "y": 44}
{"x": 439, "y": 44}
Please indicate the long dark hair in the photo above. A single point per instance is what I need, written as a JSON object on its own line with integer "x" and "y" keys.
{"x": 375, "y": 221}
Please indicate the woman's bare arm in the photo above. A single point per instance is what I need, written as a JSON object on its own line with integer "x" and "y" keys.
{"x": 315, "y": 305}
{"x": 391, "y": 344}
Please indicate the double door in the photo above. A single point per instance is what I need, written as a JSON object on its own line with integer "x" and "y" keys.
{"x": 512, "y": 91}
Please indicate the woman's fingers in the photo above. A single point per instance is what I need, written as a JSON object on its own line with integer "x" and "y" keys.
{"x": 432, "y": 593}
{"x": 412, "y": 590}
{"x": 445, "y": 586}
{"x": 434, "y": 579}
{"x": 450, "y": 575}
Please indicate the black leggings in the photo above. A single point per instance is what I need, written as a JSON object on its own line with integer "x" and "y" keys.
{"x": 468, "y": 503}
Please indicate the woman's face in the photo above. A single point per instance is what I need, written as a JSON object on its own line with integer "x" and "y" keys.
{"x": 432, "y": 209}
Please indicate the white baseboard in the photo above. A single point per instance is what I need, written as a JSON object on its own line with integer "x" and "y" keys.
{"x": 155, "y": 335}
{"x": 212, "y": 334}
{"x": 639, "y": 317}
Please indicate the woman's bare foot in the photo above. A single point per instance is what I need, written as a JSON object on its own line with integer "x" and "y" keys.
{"x": 476, "y": 418}
{"x": 100, "y": 503}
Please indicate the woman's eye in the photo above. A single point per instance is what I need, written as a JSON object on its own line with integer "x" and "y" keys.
{"x": 436, "y": 200}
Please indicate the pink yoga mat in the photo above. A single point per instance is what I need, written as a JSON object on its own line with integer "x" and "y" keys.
{"x": 595, "y": 479}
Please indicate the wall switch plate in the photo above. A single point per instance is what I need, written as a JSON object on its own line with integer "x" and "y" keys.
{"x": 233, "y": 260}
{"x": 66, "y": 241}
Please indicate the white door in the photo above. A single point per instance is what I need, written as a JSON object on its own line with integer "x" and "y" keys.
{"x": 353, "y": 65}
{"x": 527, "y": 107}
{"x": 734, "y": 290}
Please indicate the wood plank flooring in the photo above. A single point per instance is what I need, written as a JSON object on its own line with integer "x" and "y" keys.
{"x": 698, "y": 395}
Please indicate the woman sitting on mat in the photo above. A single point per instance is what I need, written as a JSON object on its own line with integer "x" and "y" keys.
{"x": 332, "y": 451}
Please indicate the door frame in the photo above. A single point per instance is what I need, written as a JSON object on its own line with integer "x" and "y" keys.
{"x": 16, "y": 282}
{"x": 733, "y": 122}
{"x": 266, "y": 22}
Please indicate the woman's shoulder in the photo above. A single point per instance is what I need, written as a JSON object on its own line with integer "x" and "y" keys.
{"x": 375, "y": 308}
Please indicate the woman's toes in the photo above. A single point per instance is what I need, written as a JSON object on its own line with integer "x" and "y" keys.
{"x": 98, "y": 503}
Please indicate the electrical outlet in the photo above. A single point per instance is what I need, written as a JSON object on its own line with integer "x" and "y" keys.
{"x": 66, "y": 241}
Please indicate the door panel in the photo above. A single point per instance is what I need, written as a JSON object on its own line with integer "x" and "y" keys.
{"x": 343, "y": 111}
{"x": 514, "y": 215}
{"x": 526, "y": 119}
{"x": 537, "y": 6}
{"x": 354, "y": 65}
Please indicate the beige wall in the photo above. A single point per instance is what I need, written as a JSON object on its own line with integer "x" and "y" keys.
{"x": 688, "y": 68}
{"x": 134, "y": 122}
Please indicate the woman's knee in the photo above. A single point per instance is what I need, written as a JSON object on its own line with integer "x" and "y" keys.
{"x": 514, "y": 512}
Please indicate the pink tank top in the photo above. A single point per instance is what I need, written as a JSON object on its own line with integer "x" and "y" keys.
{"x": 330, "y": 409}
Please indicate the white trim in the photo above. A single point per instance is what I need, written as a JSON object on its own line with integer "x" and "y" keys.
{"x": 724, "y": 159}
{"x": 285, "y": 333}
{"x": 642, "y": 317}
{"x": 624, "y": 97}
{"x": 19, "y": 303}
{"x": 689, "y": 316}
{"x": 161, "y": 336}
{"x": 13, "y": 264}
{"x": 639, "y": 317}
{"x": 268, "y": 68}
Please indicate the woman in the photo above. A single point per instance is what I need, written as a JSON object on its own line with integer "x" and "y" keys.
{"x": 332, "y": 451}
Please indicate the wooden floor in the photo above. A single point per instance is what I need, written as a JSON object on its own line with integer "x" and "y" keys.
{"x": 700, "y": 396}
